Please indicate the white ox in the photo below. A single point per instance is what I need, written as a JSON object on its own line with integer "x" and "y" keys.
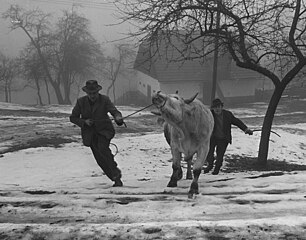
{"x": 190, "y": 124}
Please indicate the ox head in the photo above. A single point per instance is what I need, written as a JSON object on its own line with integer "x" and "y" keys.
{"x": 172, "y": 106}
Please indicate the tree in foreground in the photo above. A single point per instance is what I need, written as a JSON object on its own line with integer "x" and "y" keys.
{"x": 265, "y": 36}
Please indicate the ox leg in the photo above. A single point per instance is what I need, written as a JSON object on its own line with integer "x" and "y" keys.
{"x": 197, "y": 167}
{"x": 177, "y": 172}
{"x": 189, "y": 172}
{"x": 180, "y": 171}
{"x": 194, "y": 187}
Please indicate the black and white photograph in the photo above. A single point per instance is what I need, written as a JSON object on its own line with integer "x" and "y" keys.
{"x": 151, "y": 119}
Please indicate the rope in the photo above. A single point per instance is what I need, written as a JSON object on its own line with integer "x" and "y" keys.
{"x": 138, "y": 111}
{"x": 113, "y": 144}
{"x": 112, "y": 119}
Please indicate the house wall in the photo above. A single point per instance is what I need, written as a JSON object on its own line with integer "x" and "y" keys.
{"x": 243, "y": 84}
{"x": 239, "y": 88}
{"x": 196, "y": 76}
{"x": 235, "y": 84}
{"x": 145, "y": 82}
{"x": 185, "y": 89}
{"x": 191, "y": 70}
{"x": 243, "y": 87}
{"x": 191, "y": 77}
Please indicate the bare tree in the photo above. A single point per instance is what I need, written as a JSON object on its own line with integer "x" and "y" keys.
{"x": 35, "y": 25}
{"x": 76, "y": 50}
{"x": 7, "y": 74}
{"x": 265, "y": 36}
{"x": 118, "y": 65}
{"x": 32, "y": 69}
{"x": 65, "y": 51}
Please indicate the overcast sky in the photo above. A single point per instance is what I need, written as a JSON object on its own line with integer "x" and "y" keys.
{"x": 100, "y": 13}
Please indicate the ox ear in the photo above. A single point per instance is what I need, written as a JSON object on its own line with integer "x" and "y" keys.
{"x": 189, "y": 100}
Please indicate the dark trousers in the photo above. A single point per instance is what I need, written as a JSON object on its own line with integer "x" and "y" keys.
{"x": 220, "y": 146}
{"x": 104, "y": 157}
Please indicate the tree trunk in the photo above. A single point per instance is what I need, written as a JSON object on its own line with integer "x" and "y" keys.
{"x": 47, "y": 90}
{"x": 38, "y": 91}
{"x": 67, "y": 99}
{"x": 9, "y": 94}
{"x": 267, "y": 125}
{"x": 67, "y": 87}
{"x": 6, "y": 93}
{"x": 109, "y": 88}
{"x": 57, "y": 90}
{"x": 59, "y": 96}
{"x": 114, "y": 93}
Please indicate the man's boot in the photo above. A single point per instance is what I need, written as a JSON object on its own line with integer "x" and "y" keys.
{"x": 117, "y": 179}
{"x": 208, "y": 168}
{"x": 118, "y": 183}
{"x": 216, "y": 170}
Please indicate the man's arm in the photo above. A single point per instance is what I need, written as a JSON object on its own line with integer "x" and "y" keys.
{"x": 75, "y": 115}
{"x": 237, "y": 122}
{"x": 114, "y": 112}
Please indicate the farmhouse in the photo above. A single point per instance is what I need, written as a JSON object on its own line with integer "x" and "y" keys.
{"x": 190, "y": 76}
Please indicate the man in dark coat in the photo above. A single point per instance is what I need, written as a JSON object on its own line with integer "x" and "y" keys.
{"x": 221, "y": 135}
{"x": 91, "y": 114}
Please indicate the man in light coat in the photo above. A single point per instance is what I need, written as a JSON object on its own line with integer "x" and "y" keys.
{"x": 90, "y": 113}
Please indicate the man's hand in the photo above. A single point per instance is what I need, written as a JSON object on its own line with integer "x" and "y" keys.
{"x": 119, "y": 121}
{"x": 248, "y": 131}
{"x": 89, "y": 122}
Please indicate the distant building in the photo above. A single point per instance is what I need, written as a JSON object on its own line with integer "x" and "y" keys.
{"x": 234, "y": 84}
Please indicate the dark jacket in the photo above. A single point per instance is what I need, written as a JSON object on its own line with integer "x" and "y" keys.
{"x": 228, "y": 120}
{"x": 97, "y": 112}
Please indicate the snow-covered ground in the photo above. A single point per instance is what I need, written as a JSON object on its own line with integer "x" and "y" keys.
{"x": 60, "y": 193}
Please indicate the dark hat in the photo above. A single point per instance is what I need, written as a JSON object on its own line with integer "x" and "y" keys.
{"x": 91, "y": 86}
{"x": 216, "y": 102}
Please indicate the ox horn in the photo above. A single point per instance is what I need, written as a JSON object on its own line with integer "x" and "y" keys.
{"x": 189, "y": 100}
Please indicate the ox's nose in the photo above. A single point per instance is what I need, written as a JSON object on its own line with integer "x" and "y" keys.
{"x": 157, "y": 99}
{"x": 154, "y": 99}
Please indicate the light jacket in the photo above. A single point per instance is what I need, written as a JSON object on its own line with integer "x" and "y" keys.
{"x": 98, "y": 112}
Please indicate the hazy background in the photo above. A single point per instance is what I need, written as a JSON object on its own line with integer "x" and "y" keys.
{"x": 100, "y": 13}
{"x": 105, "y": 26}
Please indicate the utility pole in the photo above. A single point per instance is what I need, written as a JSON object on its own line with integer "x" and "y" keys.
{"x": 216, "y": 53}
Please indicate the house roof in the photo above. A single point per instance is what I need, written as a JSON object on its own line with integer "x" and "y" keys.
{"x": 162, "y": 62}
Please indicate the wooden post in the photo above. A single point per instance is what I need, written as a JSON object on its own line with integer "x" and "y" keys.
{"x": 216, "y": 53}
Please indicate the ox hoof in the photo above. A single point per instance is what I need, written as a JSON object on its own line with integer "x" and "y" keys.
{"x": 172, "y": 184}
{"x": 191, "y": 195}
{"x": 194, "y": 189}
